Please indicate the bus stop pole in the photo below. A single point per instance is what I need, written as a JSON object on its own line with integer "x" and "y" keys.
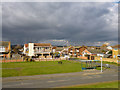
{"x": 101, "y": 64}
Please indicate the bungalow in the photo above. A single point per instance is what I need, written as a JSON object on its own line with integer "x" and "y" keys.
{"x": 93, "y": 52}
{"x": 86, "y": 52}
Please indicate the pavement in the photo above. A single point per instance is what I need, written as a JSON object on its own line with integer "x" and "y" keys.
{"x": 61, "y": 80}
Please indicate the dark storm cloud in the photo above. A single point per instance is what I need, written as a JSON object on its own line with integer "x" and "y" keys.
{"x": 24, "y": 22}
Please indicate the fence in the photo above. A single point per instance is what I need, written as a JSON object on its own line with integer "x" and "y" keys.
{"x": 56, "y": 59}
{"x": 4, "y": 61}
{"x": 36, "y": 59}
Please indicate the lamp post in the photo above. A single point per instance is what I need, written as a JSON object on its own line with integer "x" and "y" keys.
{"x": 101, "y": 64}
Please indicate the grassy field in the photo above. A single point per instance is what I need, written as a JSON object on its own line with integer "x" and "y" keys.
{"x": 36, "y": 68}
{"x": 113, "y": 84}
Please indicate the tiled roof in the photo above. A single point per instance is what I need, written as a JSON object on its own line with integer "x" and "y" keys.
{"x": 42, "y": 44}
{"x": 59, "y": 49}
{"x": 116, "y": 46}
{"x": 54, "y": 47}
{"x": 95, "y": 51}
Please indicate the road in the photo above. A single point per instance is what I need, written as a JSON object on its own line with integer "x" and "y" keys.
{"x": 60, "y": 80}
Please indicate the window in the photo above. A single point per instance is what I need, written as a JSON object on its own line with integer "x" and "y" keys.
{"x": 47, "y": 48}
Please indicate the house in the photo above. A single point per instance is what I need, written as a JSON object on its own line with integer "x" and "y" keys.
{"x": 93, "y": 47}
{"x": 5, "y": 49}
{"x": 86, "y": 52}
{"x": 54, "y": 49}
{"x": 60, "y": 51}
{"x": 64, "y": 53}
{"x": 38, "y": 50}
{"x": 81, "y": 49}
{"x": 116, "y": 52}
{"x": 93, "y": 52}
{"x": 71, "y": 51}
{"x": 76, "y": 51}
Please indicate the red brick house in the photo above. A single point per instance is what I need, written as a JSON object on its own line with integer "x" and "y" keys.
{"x": 76, "y": 51}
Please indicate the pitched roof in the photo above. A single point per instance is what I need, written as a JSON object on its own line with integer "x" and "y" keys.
{"x": 42, "y": 44}
{"x": 59, "y": 48}
{"x": 54, "y": 47}
{"x": 95, "y": 51}
{"x": 116, "y": 46}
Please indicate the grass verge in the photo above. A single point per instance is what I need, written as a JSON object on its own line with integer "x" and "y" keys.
{"x": 111, "y": 84}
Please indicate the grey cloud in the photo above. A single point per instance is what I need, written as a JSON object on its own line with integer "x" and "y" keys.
{"x": 24, "y": 22}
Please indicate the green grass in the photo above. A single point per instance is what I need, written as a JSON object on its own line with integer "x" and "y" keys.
{"x": 99, "y": 68}
{"x": 37, "y": 68}
{"x": 113, "y": 84}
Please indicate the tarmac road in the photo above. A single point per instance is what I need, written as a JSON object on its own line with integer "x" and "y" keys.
{"x": 60, "y": 80}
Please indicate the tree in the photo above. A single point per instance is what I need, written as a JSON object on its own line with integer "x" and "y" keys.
{"x": 110, "y": 52}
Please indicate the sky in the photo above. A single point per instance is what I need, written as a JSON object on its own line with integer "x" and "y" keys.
{"x": 80, "y": 23}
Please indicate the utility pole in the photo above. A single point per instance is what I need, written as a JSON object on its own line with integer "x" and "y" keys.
{"x": 101, "y": 64}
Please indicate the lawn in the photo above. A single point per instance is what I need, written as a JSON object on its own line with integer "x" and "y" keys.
{"x": 37, "y": 68}
{"x": 113, "y": 84}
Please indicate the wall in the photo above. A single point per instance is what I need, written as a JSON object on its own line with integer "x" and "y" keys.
{"x": 115, "y": 52}
{"x": 4, "y": 61}
{"x": 38, "y": 59}
{"x": 81, "y": 57}
{"x": 107, "y": 59}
